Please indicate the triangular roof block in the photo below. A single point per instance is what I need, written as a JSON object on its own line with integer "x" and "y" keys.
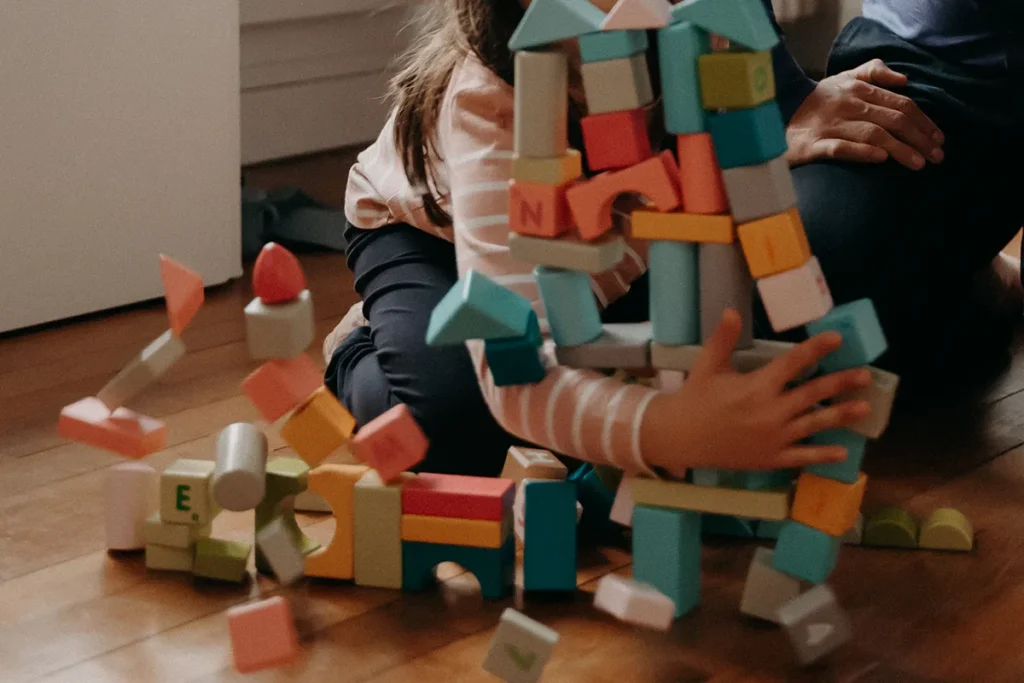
{"x": 476, "y": 307}
{"x": 183, "y": 289}
{"x": 549, "y": 21}
{"x": 741, "y": 21}
{"x": 638, "y": 14}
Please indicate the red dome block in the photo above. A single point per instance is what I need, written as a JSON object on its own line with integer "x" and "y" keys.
{"x": 277, "y": 277}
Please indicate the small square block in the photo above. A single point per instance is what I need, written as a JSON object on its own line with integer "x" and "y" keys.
{"x": 863, "y": 338}
{"x": 516, "y": 361}
{"x": 617, "y": 84}
{"x": 736, "y": 80}
{"x": 616, "y": 139}
{"x": 453, "y": 495}
{"x": 766, "y": 589}
{"x": 222, "y": 560}
{"x": 604, "y": 45}
{"x": 634, "y": 602}
{"x": 477, "y": 307}
{"x": 263, "y": 634}
{"x": 520, "y": 648}
{"x": 538, "y": 209}
{"x": 319, "y": 427}
{"x": 758, "y": 191}
{"x": 164, "y": 558}
{"x": 280, "y": 386}
{"x": 682, "y": 227}
{"x": 826, "y": 504}
{"x": 124, "y": 432}
{"x": 532, "y": 463}
{"x": 282, "y": 330}
{"x": 795, "y": 297}
{"x": 775, "y": 244}
{"x": 806, "y": 553}
{"x": 815, "y": 624}
{"x": 559, "y": 170}
{"x": 848, "y": 470}
{"x": 185, "y": 496}
{"x": 747, "y": 137}
{"x": 392, "y": 443}
{"x": 880, "y": 395}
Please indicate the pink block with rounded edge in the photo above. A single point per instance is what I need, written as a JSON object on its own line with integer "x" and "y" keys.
{"x": 263, "y": 634}
{"x": 622, "y": 508}
{"x": 124, "y": 432}
{"x": 638, "y": 14}
{"x": 183, "y": 289}
{"x": 634, "y": 603}
{"x": 277, "y": 276}
{"x": 391, "y": 444}
{"x": 280, "y": 385}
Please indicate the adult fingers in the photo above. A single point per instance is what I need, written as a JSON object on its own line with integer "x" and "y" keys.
{"x": 846, "y": 150}
{"x": 834, "y": 416}
{"x": 806, "y": 396}
{"x": 876, "y": 71}
{"x": 901, "y": 126}
{"x": 718, "y": 348}
{"x": 801, "y": 456}
{"x": 873, "y": 134}
{"x": 790, "y": 365}
{"x": 906, "y": 106}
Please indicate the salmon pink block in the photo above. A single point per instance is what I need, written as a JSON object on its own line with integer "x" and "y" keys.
{"x": 277, "y": 277}
{"x": 280, "y": 385}
{"x": 452, "y": 495}
{"x": 126, "y": 433}
{"x": 263, "y": 634}
{"x": 391, "y": 444}
{"x": 537, "y": 209}
{"x": 183, "y": 289}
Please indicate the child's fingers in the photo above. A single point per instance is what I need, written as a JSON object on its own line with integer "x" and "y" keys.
{"x": 717, "y": 353}
{"x": 806, "y": 396}
{"x": 791, "y": 364}
{"x": 830, "y": 417}
{"x": 801, "y": 456}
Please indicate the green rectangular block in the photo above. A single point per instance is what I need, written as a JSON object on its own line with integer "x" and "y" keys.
{"x": 667, "y": 552}
{"x": 748, "y": 137}
{"x": 222, "y": 560}
{"x": 549, "y": 553}
{"x": 168, "y": 535}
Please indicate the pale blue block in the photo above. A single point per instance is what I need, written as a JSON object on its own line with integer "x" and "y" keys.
{"x": 604, "y": 46}
{"x": 549, "y": 21}
{"x": 570, "y": 305}
{"x": 666, "y": 553}
{"x": 806, "y": 553}
{"x": 675, "y": 292}
{"x": 849, "y": 470}
{"x": 549, "y": 554}
{"x": 748, "y": 137}
{"x": 476, "y": 307}
{"x": 679, "y": 47}
{"x": 863, "y": 338}
{"x": 744, "y": 22}
{"x": 516, "y": 361}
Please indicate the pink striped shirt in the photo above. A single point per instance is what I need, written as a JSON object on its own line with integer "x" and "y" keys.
{"x": 579, "y": 413}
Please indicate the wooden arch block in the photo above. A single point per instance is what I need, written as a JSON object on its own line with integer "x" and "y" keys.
{"x": 183, "y": 288}
{"x": 336, "y": 484}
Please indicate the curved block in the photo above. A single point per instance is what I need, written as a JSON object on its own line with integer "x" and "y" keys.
{"x": 286, "y": 478}
{"x": 634, "y": 603}
{"x": 494, "y": 568}
{"x": 336, "y": 484}
{"x": 277, "y": 276}
{"x": 947, "y": 529}
{"x": 891, "y": 527}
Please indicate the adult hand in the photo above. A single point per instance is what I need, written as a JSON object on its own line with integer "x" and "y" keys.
{"x": 852, "y": 116}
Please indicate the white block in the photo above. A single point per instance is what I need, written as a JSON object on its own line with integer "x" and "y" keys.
{"x": 131, "y": 495}
{"x": 880, "y": 395}
{"x": 617, "y": 84}
{"x": 570, "y": 253}
{"x": 279, "y": 330}
{"x": 532, "y": 463}
{"x": 759, "y": 191}
{"x": 159, "y": 532}
{"x": 766, "y": 588}
{"x": 795, "y": 297}
{"x": 147, "y": 367}
{"x": 240, "y": 475}
{"x": 815, "y": 623}
{"x": 622, "y": 508}
{"x": 278, "y": 547}
{"x": 520, "y": 648}
{"x": 634, "y": 603}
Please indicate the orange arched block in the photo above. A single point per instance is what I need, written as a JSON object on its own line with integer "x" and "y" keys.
{"x": 591, "y": 202}
{"x": 537, "y": 209}
{"x": 700, "y": 176}
{"x": 336, "y": 484}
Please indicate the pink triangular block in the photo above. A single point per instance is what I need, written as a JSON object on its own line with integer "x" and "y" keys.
{"x": 638, "y": 14}
{"x": 183, "y": 288}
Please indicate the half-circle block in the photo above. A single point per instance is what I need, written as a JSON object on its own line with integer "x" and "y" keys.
{"x": 183, "y": 289}
{"x": 336, "y": 484}
{"x": 277, "y": 276}
{"x": 891, "y": 527}
{"x": 549, "y": 21}
{"x": 494, "y": 568}
{"x": 638, "y": 14}
{"x": 947, "y": 529}
{"x": 476, "y": 307}
{"x": 741, "y": 21}
{"x": 657, "y": 179}
{"x": 286, "y": 478}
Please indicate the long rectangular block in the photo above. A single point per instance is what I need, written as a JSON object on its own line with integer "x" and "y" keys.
{"x": 494, "y": 568}
{"x": 617, "y": 84}
{"x": 795, "y": 297}
{"x": 549, "y": 559}
{"x": 617, "y": 139}
{"x": 704, "y": 190}
{"x": 541, "y": 103}
{"x": 625, "y": 345}
{"x": 377, "y": 528}
{"x": 736, "y": 80}
{"x": 720, "y": 501}
{"x": 747, "y": 137}
{"x": 682, "y": 227}
{"x": 475, "y": 533}
{"x": 667, "y": 553}
{"x": 760, "y": 354}
{"x": 568, "y": 253}
{"x": 453, "y": 495}
{"x": 725, "y": 283}
{"x": 131, "y": 493}
{"x": 538, "y": 209}
{"x": 570, "y": 305}
{"x": 680, "y": 45}
{"x": 758, "y": 191}
{"x": 674, "y": 292}
{"x": 222, "y": 560}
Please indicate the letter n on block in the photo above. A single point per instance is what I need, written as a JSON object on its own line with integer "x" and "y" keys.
{"x": 538, "y": 210}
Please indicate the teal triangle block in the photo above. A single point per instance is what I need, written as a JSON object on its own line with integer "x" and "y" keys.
{"x": 476, "y": 307}
{"x": 549, "y": 21}
{"x": 741, "y": 21}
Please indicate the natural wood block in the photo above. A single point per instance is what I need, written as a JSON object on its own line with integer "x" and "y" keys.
{"x": 168, "y": 535}
{"x": 736, "y": 80}
{"x": 277, "y": 276}
{"x": 815, "y": 624}
{"x": 725, "y": 283}
{"x": 880, "y": 395}
{"x": 538, "y": 209}
{"x": 682, "y": 357}
{"x": 240, "y": 472}
{"x": 263, "y": 634}
{"x": 759, "y": 191}
{"x": 520, "y": 648}
{"x": 222, "y": 560}
{"x": 336, "y": 484}
{"x": 555, "y": 170}
{"x": 124, "y": 432}
{"x": 826, "y": 504}
{"x": 280, "y": 386}
{"x": 391, "y": 443}
{"x": 570, "y": 305}
{"x": 569, "y": 253}
{"x": 947, "y": 529}
{"x": 766, "y": 588}
{"x": 891, "y": 527}
{"x": 475, "y": 533}
{"x": 319, "y": 427}
{"x": 377, "y": 527}
{"x": 452, "y": 495}
{"x": 775, "y": 244}
{"x": 719, "y": 501}
{"x": 616, "y": 139}
{"x": 162, "y": 558}
{"x": 286, "y": 478}
{"x": 283, "y": 330}
{"x": 532, "y": 463}
{"x": 131, "y": 495}
{"x": 682, "y": 227}
{"x": 142, "y": 371}
{"x": 185, "y": 495}
{"x": 700, "y": 177}
{"x": 541, "y": 103}
{"x": 617, "y": 84}
{"x": 624, "y": 345}
{"x": 634, "y": 603}
{"x": 183, "y": 289}
{"x": 277, "y": 544}
{"x": 795, "y": 297}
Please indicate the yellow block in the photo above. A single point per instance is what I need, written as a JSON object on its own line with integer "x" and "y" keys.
{"x": 736, "y": 80}
{"x": 682, "y": 227}
{"x": 319, "y": 427}
{"x": 775, "y": 244}
{"x": 773, "y": 505}
{"x": 336, "y": 484}
{"x": 475, "y": 533}
{"x": 553, "y": 171}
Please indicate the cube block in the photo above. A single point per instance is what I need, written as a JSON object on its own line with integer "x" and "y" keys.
{"x": 775, "y": 244}
{"x": 721, "y": 501}
{"x": 736, "y": 80}
{"x": 533, "y": 463}
{"x": 674, "y": 292}
{"x": 516, "y": 361}
{"x": 666, "y": 553}
{"x": 541, "y": 96}
{"x": 569, "y": 304}
{"x": 282, "y": 330}
{"x": 122, "y": 431}
{"x": 759, "y": 191}
{"x": 826, "y": 504}
{"x": 605, "y": 45}
{"x": 863, "y": 338}
{"x": 703, "y": 187}
{"x": 169, "y": 535}
{"x": 747, "y": 137}
{"x": 815, "y": 624}
{"x": 680, "y": 45}
{"x": 520, "y": 648}
{"x": 476, "y": 307}
{"x": 558, "y": 169}
{"x": 569, "y": 253}
{"x": 131, "y": 493}
{"x": 452, "y": 495}
{"x": 277, "y": 544}
{"x": 880, "y": 395}
{"x": 185, "y": 495}
{"x": 221, "y": 560}
{"x": 263, "y": 634}
{"x": 806, "y": 553}
{"x": 538, "y": 209}
{"x": 682, "y": 227}
{"x": 767, "y": 589}
{"x": 318, "y": 427}
{"x": 391, "y": 443}
{"x": 617, "y": 139}
{"x": 617, "y": 84}
{"x": 634, "y": 603}
{"x": 280, "y": 386}
{"x": 795, "y": 297}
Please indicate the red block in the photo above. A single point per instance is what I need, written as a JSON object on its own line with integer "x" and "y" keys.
{"x": 126, "y": 433}
{"x": 537, "y": 209}
{"x": 279, "y": 386}
{"x": 700, "y": 175}
{"x": 183, "y": 289}
{"x": 277, "y": 277}
{"x": 451, "y": 495}
{"x": 616, "y": 140}
{"x": 392, "y": 443}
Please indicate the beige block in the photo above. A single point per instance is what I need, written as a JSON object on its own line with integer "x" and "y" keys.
{"x": 378, "y": 531}
{"x": 617, "y": 84}
{"x": 772, "y": 505}
{"x": 570, "y": 253}
{"x": 279, "y": 330}
{"x": 169, "y": 559}
{"x": 185, "y": 496}
{"x": 556, "y": 170}
{"x": 240, "y": 474}
{"x": 541, "y": 103}
{"x": 532, "y": 463}
{"x": 159, "y": 532}
{"x": 880, "y": 395}
{"x": 131, "y": 494}
{"x": 147, "y": 367}
{"x": 759, "y": 191}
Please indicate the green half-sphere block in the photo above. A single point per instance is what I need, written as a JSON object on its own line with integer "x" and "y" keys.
{"x": 891, "y": 527}
{"x": 947, "y": 529}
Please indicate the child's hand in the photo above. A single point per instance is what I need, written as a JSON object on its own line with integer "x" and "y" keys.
{"x": 721, "y": 418}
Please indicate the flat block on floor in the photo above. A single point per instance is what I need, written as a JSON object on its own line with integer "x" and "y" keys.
{"x": 848, "y": 470}
{"x": 767, "y": 589}
{"x": 806, "y": 553}
{"x": 185, "y": 492}
{"x": 736, "y": 80}
{"x": 143, "y": 370}
{"x": 221, "y": 560}
{"x": 282, "y": 330}
{"x": 891, "y": 527}
{"x": 183, "y": 289}
{"x": 551, "y": 21}
{"x": 391, "y": 443}
{"x": 163, "y": 558}
{"x": 263, "y": 634}
{"x": 318, "y": 427}
{"x": 336, "y": 484}
{"x": 720, "y": 501}
{"x": 453, "y": 495}
{"x": 617, "y": 139}
{"x": 634, "y": 603}
{"x": 863, "y": 338}
{"x": 122, "y": 431}
{"x": 277, "y": 277}
{"x": 775, "y": 244}
{"x": 520, "y": 648}
{"x": 759, "y": 191}
{"x": 474, "y": 533}
{"x": 558, "y": 170}
{"x": 532, "y": 463}
{"x": 748, "y": 137}
{"x": 680, "y": 46}
{"x": 517, "y": 361}
{"x": 617, "y": 84}
{"x": 537, "y": 209}
{"x": 880, "y": 395}
{"x": 795, "y": 297}
{"x": 378, "y": 530}
{"x": 494, "y": 568}
{"x": 279, "y": 386}
{"x": 667, "y": 553}
{"x": 682, "y": 227}
{"x": 826, "y": 504}
{"x": 622, "y": 345}
{"x": 549, "y": 559}
{"x": 947, "y": 529}
{"x": 477, "y": 308}
{"x": 604, "y": 45}
{"x": 741, "y": 21}
{"x": 815, "y": 624}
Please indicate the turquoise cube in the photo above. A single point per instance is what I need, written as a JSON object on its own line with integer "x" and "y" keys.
{"x": 744, "y": 22}
{"x": 726, "y": 526}
{"x": 863, "y": 338}
{"x": 604, "y": 46}
{"x": 516, "y": 361}
{"x": 848, "y": 470}
{"x": 570, "y": 305}
{"x": 748, "y": 137}
{"x": 494, "y": 568}
{"x": 666, "y": 553}
{"x": 549, "y": 553}
{"x": 476, "y": 307}
{"x": 769, "y": 528}
{"x": 806, "y": 553}
{"x": 674, "y": 292}
{"x": 551, "y": 21}
{"x": 597, "y": 501}
{"x": 679, "y": 47}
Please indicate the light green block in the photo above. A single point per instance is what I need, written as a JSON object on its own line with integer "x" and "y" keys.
{"x": 286, "y": 478}
{"x": 891, "y": 527}
{"x": 183, "y": 536}
{"x": 947, "y": 529}
{"x": 220, "y": 559}
{"x": 185, "y": 495}
{"x": 169, "y": 559}
{"x": 736, "y": 80}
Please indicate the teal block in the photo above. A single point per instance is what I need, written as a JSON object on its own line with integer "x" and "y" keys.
{"x": 581, "y": 472}
{"x": 516, "y": 361}
{"x": 726, "y": 525}
{"x": 607, "y": 45}
{"x": 863, "y": 338}
{"x": 494, "y": 568}
{"x": 666, "y": 553}
{"x": 597, "y": 501}
{"x": 549, "y": 553}
{"x": 476, "y": 307}
{"x": 679, "y": 47}
{"x": 674, "y": 292}
{"x": 748, "y": 137}
{"x": 570, "y": 304}
{"x": 806, "y": 553}
{"x": 766, "y": 480}
{"x": 848, "y": 470}
{"x": 549, "y": 21}
{"x": 769, "y": 528}
{"x": 707, "y": 476}
{"x": 741, "y": 21}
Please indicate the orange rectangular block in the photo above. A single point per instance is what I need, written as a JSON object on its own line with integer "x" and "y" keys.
{"x": 279, "y": 386}
{"x": 537, "y": 209}
{"x": 775, "y": 244}
{"x": 124, "y": 432}
{"x": 263, "y": 634}
{"x": 318, "y": 427}
{"x": 391, "y": 443}
{"x": 336, "y": 484}
{"x": 682, "y": 227}
{"x": 473, "y": 533}
{"x": 827, "y": 505}
{"x": 700, "y": 176}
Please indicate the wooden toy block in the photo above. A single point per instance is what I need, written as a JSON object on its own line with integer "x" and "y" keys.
{"x": 721, "y": 501}
{"x": 336, "y": 484}
{"x": 279, "y": 386}
{"x": 806, "y": 553}
{"x": 795, "y": 297}
{"x": 541, "y": 104}
{"x": 307, "y": 501}
{"x": 725, "y": 283}
{"x": 286, "y": 478}
{"x": 240, "y": 472}
{"x": 570, "y": 305}
{"x": 452, "y": 495}
{"x": 673, "y": 357}
{"x": 758, "y": 191}
{"x": 222, "y": 560}
{"x": 131, "y": 493}
{"x": 634, "y": 603}
{"x": 319, "y": 427}
{"x": 680, "y": 45}
{"x": 549, "y": 559}
{"x": 623, "y": 345}
{"x": 616, "y": 140}
{"x": 516, "y": 361}
{"x": 533, "y": 463}
{"x": 880, "y": 395}
{"x": 736, "y": 80}
{"x": 263, "y": 634}
{"x": 277, "y": 277}
{"x": 638, "y": 14}
{"x": 769, "y": 529}
{"x": 855, "y": 535}
{"x": 726, "y": 526}
{"x": 185, "y": 496}
{"x": 764, "y": 480}
{"x": 569, "y": 253}
{"x": 279, "y": 330}
{"x": 124, "y": 432}
{"x": 766, "y": 589}
{"x": 775, "y": 244}
{"x": 597, "y": 498}
{"x": 142, "y": 371}
{"x": 666, "y": 553}
{"x": 557, "y": 170}
{"x": 537, "y": 209}
{"x": 617, "y": 84}
{"x": 947, "y": 529}
{"x": 552, "y": 21}
{"x": 848, "y": 470}
{"x": 891, "y": 527}
{"x": 476, "y": 307}
{"x": 474, "y": 533}
{"x": 826, "y": 504}
{"x": 377, "y": 525}
{"x": 494, "y": 568}
{"x": 520, "y": 648}
{"x": 604, "y": 46}
{"x": 183, "y": 536}
{"x": 815, "y": 624}
{"x": 674, "y": 293}
{"x": 519, "y": 510}
{"x": 391, "y": 443}
{"x": 699, "y": 175}
{"x": 707, "y": 476}
{"x": 863, "y": 338}
{"x": 682, "y": 227}
{"x": 163, "y": 558}
{"x": 183, "y": 289}
{"x": 744, "y": 22}
{"x": 763, "y": 352}
{"x": 748, "y": 137}
{"x": 285, "y": 558}
{"x": 622, "y": 507}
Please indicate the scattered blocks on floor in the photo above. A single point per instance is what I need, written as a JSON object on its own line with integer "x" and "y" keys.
{"x": 880, "y": 395}
{"x": 775, "y": 244}
{"x": 744, "y": 22}
{"x": 476, "y": 307}
{"x": 848, "y": 470}
{"x": 815, "y": 623}
{"x": 240, "y": 472}
{"x": 142, "y": 371}
{"x": 549, "y": 559}
{"x": 494, "y": 568}
{"x": 541, "y": 93}
{"x": 555, "y": 20}
{"x": 666, "y": 553}
{"x": 391, "y": 443}
{"x": 767, "y": 589}
{"x": 263, "y": 635}
{"x": 748, "y": 137}
{"x": 638, "y": 14}
{"x": 336, "y": 485}
{"x": 634, "y": 603}
{"x": 280, "y": 386}
{"x": 532, "y": 463}
{"x": 719, "y": 501}
{"x": 164, "y": 558}
{"x": 122, "y": 431}
{"x": 286, "y": 478}
{"x": 131, "y": 495}
{"x": 185, "y": 493}
{"x": 826, "y": 504}
{"x": 453, "y": 495}
{"x": 569, "y": 253}
{"x": 682, "y": 227}
{"x": 946, "y": 529}
{"x": 318, "y": 427}
{"x": 617, "y": 139}
{"x": 221, "y": 560}
{"x": 891, "y": 527}
{"x": 277, "y": 276}
{"x": 674, "y": 280}
{"x": 280, "y": 551}
{"x": 680, "y": 46}
{"x": 617, "y": 84}
{"x": 516, "y": 361}
{"x": 557, "y": 170}
{"x": 621, "y": 345}
{"x": 570, "y": 305}
{"x": 183, "y": 289}
{"x": 863, "y": 338}
{"x": 759, "y": 191}
{"x": 378, "y": 530}
{"x": 725, "y": 283}
{"x": 736, "y": 80}
{"x": 795, "y": 297}
{"x": 281, "y": 330}
{"x": 805, "y": 552}
{"x": 520, "y": 648}
{"x": 538, "y": 210}
{"x": 700, "y": 178}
